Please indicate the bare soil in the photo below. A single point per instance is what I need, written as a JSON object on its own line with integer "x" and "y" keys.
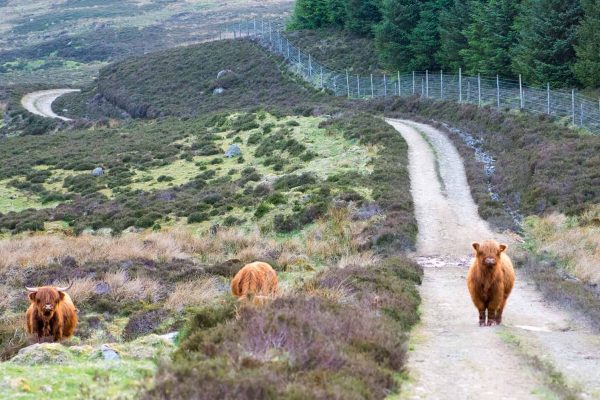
{"x": 540, "y": 351}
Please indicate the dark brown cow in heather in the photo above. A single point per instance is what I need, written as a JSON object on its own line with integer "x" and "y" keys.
{"x": 51, "y": 313}
{"x": 490, "y": 281}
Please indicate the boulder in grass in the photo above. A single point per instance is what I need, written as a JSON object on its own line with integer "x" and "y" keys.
{"x": 98, "y": 171}
{"x": 108, "y": 353}
{"x": 218, "y": 91}
{"x": 233, "y": 151}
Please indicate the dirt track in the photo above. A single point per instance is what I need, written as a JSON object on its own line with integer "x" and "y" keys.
{"x": 40, "y": 102}
{"x": 452, "y": 357}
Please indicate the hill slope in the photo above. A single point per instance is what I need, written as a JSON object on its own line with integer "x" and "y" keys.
{"x": 182, "y": 82}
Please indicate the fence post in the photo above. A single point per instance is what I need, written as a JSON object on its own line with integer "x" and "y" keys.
{"x": 413, "y": 82}
{"x": 460, "y": 85}
{"x": 573, "y": 104}
{"x": 441, "y": 84}
{"x": 521, "y": 90}
{"x": 288, "y": 48}
{"x": 384, "y": 85}
{"x": 580, "y": 114}
{"x": 399, "y": 85}
{"x": 479, "y": 89}
{"x": 358, "y": 85}
{"x": 548, "y": 91}
{"x": 422, "y": 87}
{"x": 348, "y": 83}
{"x": 240, "y": 26}
{"x": 426, "y": 84}
{"x": 372, "y": 91}
{"x": 321, "y": 77}
{"x": 498, "y": 90}
{"x": 309, "y": 65}
{"x": 234, "y": 31}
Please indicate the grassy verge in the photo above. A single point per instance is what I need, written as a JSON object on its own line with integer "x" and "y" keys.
{"x": 563, "y": 259}
{"x": 553, "y": 379}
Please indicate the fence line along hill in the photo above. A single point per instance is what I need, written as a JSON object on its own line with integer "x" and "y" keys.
{"x": 569, "y": 106}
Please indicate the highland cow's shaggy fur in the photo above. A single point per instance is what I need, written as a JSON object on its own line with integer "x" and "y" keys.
{"x": 255, "y": 279}
{"x": 490, "y": 281}
{"x": 51, "y": 314}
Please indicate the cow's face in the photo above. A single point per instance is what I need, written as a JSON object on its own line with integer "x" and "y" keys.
{"x": 488, "y": 253}
{"x": 46, "y": 300}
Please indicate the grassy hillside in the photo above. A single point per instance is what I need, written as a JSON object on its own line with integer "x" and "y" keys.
{"x": 323, "y": 200}
{"x": 65, "y": 43}
{"x": 174, "y": 171}
{"x": 182, "y": 82}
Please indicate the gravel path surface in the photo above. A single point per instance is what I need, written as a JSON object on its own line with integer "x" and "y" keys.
{"x": 451, "y": 357}
{"x": 40, "y": 102}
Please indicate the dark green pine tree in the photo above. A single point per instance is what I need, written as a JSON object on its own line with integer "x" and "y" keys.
{"x": 337, "y": 13}
{"x": 362, "y": 15}
{"x": 546, "y": 37}
{"x": 587, "y": 66}
{"x": 452, "y": 23}
{"x": 490, "y": 37}
{"x": 425, "y": 37}
{"x": 311, "y": 14}
{"x": 393, "y": 34}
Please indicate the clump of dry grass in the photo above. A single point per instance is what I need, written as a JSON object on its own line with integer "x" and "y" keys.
{"x": 195, "y": 293}
{"x": 81, "y": 290}
{"x": 123, "y": 288}
{"x": 363, "y": 259}
{"x": 574, "y": 240}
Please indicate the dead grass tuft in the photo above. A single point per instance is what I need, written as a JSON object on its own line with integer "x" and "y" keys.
{"x": 122, "y": 288}
{"x": 576, "y": 241}
{"x": 82, "y": 289}
{"x": 199, "y": 292}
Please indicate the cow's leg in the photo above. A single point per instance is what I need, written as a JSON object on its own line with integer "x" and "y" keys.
{"x": 495, "y": 311}
{"x": 482, "y": 316}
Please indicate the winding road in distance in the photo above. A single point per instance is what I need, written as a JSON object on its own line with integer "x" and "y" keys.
{"x": 40, "y": 102}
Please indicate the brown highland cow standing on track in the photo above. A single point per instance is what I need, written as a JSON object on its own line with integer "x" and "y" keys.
{"x": 490, "y": 281}
{"x": 51, "y": 313}
{"x": 256, "y": 279}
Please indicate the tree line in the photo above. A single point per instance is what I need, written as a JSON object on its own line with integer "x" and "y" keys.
{"x": 545, "y": 41}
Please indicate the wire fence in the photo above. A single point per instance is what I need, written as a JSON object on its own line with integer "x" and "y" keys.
{"x": 567, "y": 105}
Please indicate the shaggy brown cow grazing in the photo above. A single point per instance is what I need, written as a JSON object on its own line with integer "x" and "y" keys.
{"x": 490, "y": 280}
{"x": 257, "y": 279}
{"x": 51, "y": 313}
